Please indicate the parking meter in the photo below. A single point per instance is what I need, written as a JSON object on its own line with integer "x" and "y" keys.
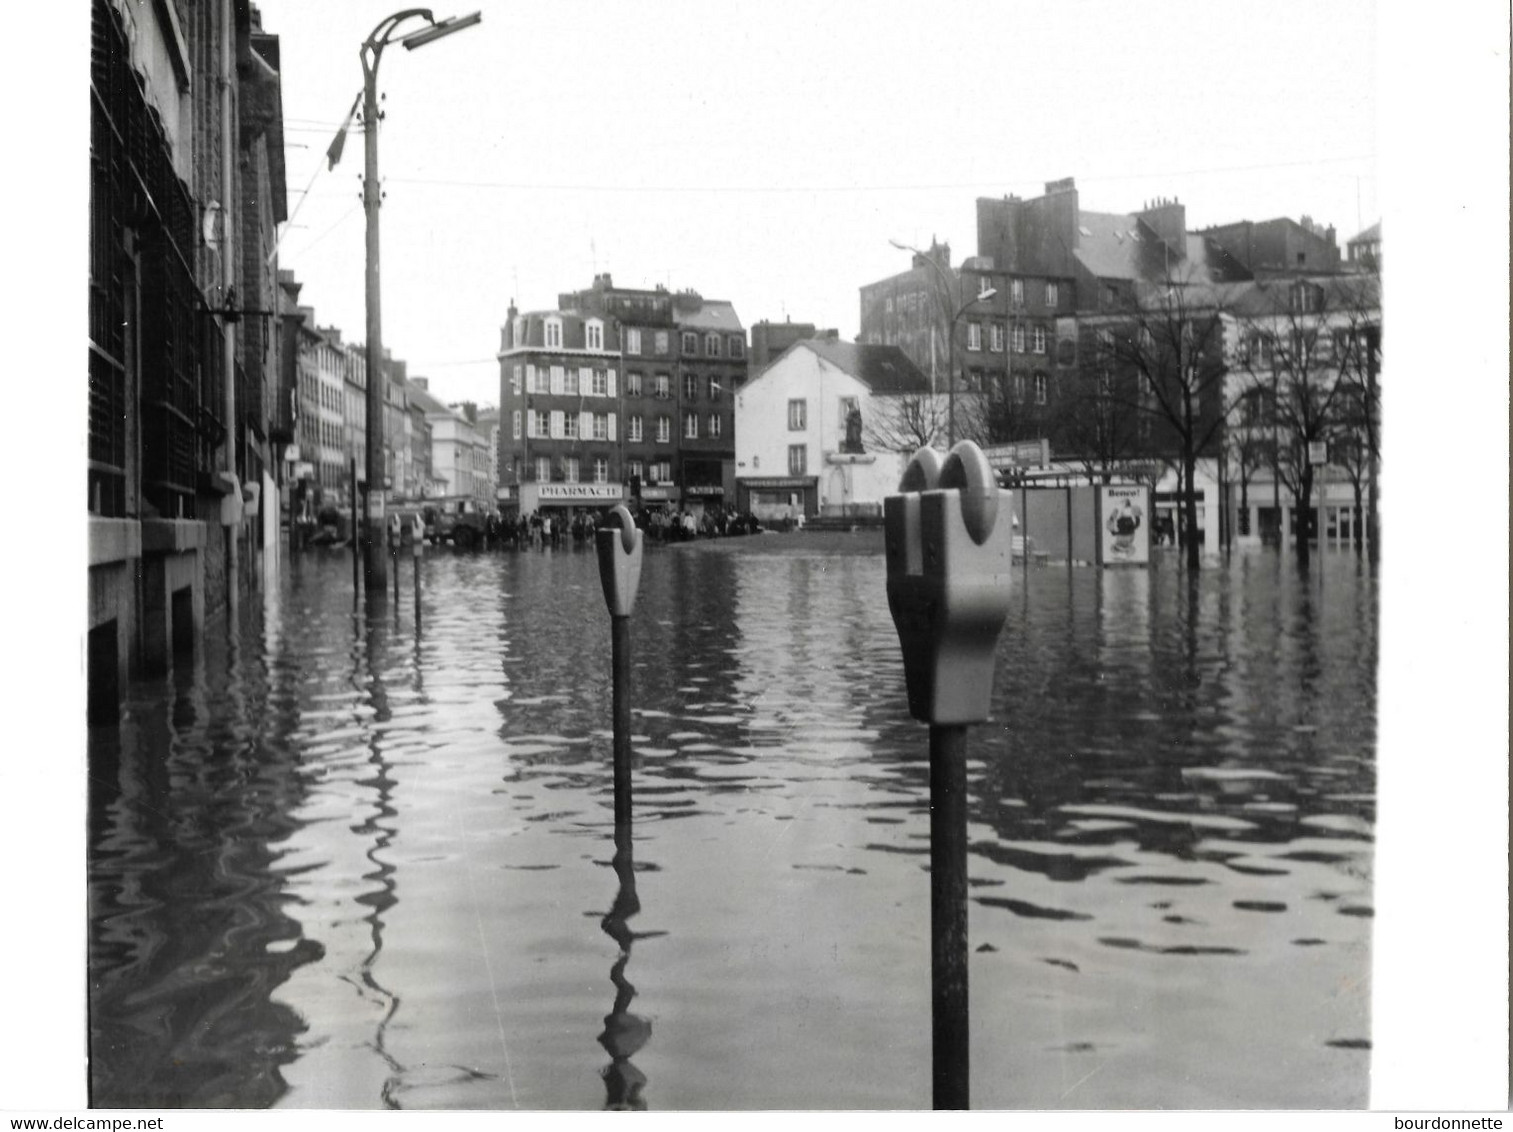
{"x": 948, "y": 561}
{"x": 619, "y": 560}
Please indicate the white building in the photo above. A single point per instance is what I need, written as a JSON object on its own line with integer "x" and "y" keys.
{"x": 827, "y": 428}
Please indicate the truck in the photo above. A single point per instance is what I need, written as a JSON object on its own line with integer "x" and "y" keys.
{"x": 460, "y": 520}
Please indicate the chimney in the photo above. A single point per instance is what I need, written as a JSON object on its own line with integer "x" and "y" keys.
{"x": 421, "y": 383}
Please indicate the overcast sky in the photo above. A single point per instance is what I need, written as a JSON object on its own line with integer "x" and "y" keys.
{"x": 767, "y": 153}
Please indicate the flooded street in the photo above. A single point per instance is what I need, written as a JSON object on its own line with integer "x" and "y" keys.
{"x": 354, "y": 863}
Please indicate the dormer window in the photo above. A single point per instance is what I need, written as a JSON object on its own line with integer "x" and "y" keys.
{"x": 554, "y": 333}
{"x": 593, "y": 334}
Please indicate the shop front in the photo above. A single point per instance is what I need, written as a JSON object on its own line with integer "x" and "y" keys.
{"x": 776, "y": 499}
{"x": 698, "y": 498}
{"x": 660, "y": 497}
{"x": 591, "y": 496}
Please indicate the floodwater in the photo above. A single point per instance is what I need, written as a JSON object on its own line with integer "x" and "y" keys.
{"x": 344, "y": 862}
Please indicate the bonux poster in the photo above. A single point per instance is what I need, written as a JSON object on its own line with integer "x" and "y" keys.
{"x": 1125, "y": 526}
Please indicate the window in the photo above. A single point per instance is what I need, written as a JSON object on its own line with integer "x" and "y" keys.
{"x": 633, "y": 385}
{"x": 636, "y": 469}
{"x": 712, "y": 345}
{"x": 714, "y": 389}
{"x": 632, "y": 340}
{"x": 661, "y": 471}
{"x": 691, "y": 426}
{"x": 1038, "y": 340}
{"x": 661, "y": 343}
{"x": 601, "y": 470}
{"x": 517, "y": 424}
{"x": 1018, "y": 339}
{"x": 601, "y": 426}
{"x": 593, "y": 333}
{"x": 663, "y": 386}
{"x": 997, "y": 337}
{"x": 714, "y": 424}
{"x": 737, "y": 346}
{"x": 974, "y": 336}
{"x": 570, "y": 426}
{"x": 690, "y": 387}
{"x": 601, "y": 383}
{"x": 798, "y": 415}
{"x": 888, "y": 305}
{"x": 543, "y": 469}
{"x": 664, "y": 430}
{"x": 570, "y": 469}
{"x": 798, "y": 459}
{"x": 1052, "y": 295}
{"x": 542, "y": 425}
{"x": 554, "y": 333}
{"x": 1019, "y": 387}
{"x": 635, "y": 428}
{"x": 515, "y": 379}
{"x": 570, "y": 383}
{"x": 690, "y": 342}
{"x": 1040, "y": 385}
{"x": 1016, "y": 292}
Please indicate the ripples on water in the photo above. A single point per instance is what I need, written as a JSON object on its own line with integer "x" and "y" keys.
{"x": 351, "y": 863}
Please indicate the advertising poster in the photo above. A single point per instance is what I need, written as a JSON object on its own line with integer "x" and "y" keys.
{"x": 1125, "y": 523}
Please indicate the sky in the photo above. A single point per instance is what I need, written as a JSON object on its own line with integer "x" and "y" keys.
{"x": 767, "y": 153}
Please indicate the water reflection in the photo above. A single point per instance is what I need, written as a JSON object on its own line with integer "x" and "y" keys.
{"x": 346, "y": 865}
{"x": 624, "y": 1033}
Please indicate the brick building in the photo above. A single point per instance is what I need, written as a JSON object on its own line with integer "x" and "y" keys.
{"x": 617, "y": 391}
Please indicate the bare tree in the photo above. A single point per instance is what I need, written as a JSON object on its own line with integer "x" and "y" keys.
{"x": 1297, "y": 340}
{"x": 1101, "y": 416}
{"x": 905, "y": 422}
{"x": 1169, "y": 338}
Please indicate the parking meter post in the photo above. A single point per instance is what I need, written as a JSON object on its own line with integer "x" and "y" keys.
{"x": 396, "y": 535}
{"x": 619, "y": 628}
{"x": 948, "y": 916}
{"x": 949, "y": 564}
{"x": 620, "y": 545}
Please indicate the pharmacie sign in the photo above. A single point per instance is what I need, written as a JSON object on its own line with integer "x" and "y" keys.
{"x": 585, "y": 491}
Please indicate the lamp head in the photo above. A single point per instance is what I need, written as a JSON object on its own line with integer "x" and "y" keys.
{"x": 439, "y": 29}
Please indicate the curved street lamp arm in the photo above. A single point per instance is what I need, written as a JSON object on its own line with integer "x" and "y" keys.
{"x": 381, "y": 35}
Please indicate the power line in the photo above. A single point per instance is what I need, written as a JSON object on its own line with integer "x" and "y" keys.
{"x": 528, "y": 186}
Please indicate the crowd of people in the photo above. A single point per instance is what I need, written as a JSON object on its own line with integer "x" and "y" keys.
{"x": 557, "y": 527}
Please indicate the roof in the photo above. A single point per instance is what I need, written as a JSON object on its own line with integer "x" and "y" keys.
{"x": 1108, "y": 244}
{"x": 882, "y": 369}
{"x": 427, "y": 400}
{"x": 713, "y": 314}
{"x": 1266, "y": 298}
{"x": 1372, "y": 235}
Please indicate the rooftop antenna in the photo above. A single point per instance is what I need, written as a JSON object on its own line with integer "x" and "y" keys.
{"x": 593, "y": 254}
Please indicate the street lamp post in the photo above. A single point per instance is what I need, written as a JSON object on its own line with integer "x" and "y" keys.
{"x": 374, "y": 559}
{"x": 950, "y": 335}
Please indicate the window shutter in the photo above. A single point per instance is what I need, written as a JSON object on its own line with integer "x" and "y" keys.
{"x": 557, "y": 428}
{"x": 612, "y": 384}
{"x": 585, "y": 425}
{"x": 586, "y": 380}
{"x": 517, "y": 424}
{"x": 530, "y": 425}
{"x": 530, "y": 379}
{"x": 612, "y": 427}
{"x": 558, "y": 379}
